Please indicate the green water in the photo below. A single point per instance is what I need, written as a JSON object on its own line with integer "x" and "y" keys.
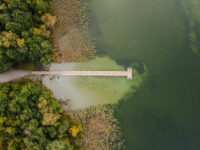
{"x": 87, "y": 91}
{"x": 164, "y": 112}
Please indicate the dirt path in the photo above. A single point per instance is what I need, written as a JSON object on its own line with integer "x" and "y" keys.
{"x": 13, "y": 75}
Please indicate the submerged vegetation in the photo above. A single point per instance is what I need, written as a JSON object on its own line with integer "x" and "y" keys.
{"x": 70, "y": 36}
{"x": 31, "y": 119}
{"x": 25, "y": 31}
{"x": 192, "y": 11}
{"x": 100, "y": 128}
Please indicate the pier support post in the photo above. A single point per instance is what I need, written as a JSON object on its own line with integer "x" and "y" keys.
{"x": 129, "y": 73}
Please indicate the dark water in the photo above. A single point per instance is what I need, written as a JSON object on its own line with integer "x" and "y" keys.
{"x": 164, "y": 113}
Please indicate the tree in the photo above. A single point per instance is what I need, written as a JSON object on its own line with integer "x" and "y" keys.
{"x": 74, "y": 130}
{"x": 3, "y": 7}
{"x": 17, "y": 4}
{"x": 23, "y": 35}
{"x": 28, "y": 121}
{"x": 39, "y": 49}
{"x": 14, "y": 27}
{"x": 5, "y": 63}
{"x": 8, "y": 39}
{"x": 14, "y": 107}
{"x": 57, "y": 145}
{"x": 48, "y": 20}
{"x": 31, "y": 145}
{"x": 20, "y": 42}
{"x": 4, "y": 18}
{"x": 3, "y": 101}
{"x": 39, "y": 5}
{"x": 51, "y": 131}
{"x": 64, "y": 126}
{"x": 23, "y": 18}
{"x": 44, "y": 31}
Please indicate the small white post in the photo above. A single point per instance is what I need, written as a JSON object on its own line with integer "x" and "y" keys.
{"x": 129, "y": 73}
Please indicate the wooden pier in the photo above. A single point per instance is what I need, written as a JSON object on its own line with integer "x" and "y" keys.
{"x": 127, "y": 73}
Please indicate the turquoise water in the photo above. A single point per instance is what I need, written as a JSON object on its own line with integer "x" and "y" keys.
{"x": 164, "y": 112}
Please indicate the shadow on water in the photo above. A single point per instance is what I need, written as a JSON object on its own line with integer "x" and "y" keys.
{"x": 164, "y": 112}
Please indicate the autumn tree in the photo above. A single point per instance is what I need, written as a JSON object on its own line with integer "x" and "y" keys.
{"x": 31, "y": 119}
{"x": 25, "y": 29}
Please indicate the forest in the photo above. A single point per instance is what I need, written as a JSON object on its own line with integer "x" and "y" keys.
{"x": 31, "y": 119}
{"x": 25, "y": 29}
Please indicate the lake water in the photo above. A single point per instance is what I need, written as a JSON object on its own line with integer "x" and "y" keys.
{"x": 164, "y": 112}
{"x": 89, "y": 91}
{"x": 160, "y": 108}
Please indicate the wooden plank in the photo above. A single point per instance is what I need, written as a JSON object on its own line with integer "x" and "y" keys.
{"x": 127, "y": 73}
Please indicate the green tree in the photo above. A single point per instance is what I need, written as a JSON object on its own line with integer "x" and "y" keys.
{"x": 39, "y": 50}
{"x": 23, "y": 18}
{"x": 40, "y": 5}
{"x": 3, "y": 7}
{"x": 18, "y": 4}
{"x": 18, "y": 41}
{"x": 51, "y": 131}
{"x": 56, "y": 145}
{"x": 14, "y": 27}
{"x": 3, "y": 100}
{"x": 5, "y": 63}
{"x": 28, "y": 121}
{"x": 4, "y": 18}
{"x": 31, "y": 145}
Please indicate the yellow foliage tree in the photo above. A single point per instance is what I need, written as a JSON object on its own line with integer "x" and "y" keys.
{"x": 44, "y": 31}
{"x": 36, "y": 31}
{"x": 2, "y": 119}
{"x": 8, "y": 39}
{"x": 74, "y": 130}
{"x": 48, "y": 20}
{"x": 28, "y": 1}
{"x": 37, "y": 2}
{"x": 49, "y": 117}
{"x": 20, "y": 42}
{"x": 39, "y": 12}
{"x": 7, "y": 1}
{"x": 1, "y": 142}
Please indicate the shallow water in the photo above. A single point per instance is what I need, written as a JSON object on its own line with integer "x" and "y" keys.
{"x": 88, "y": 91}
{"x": 163, "y": 114}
